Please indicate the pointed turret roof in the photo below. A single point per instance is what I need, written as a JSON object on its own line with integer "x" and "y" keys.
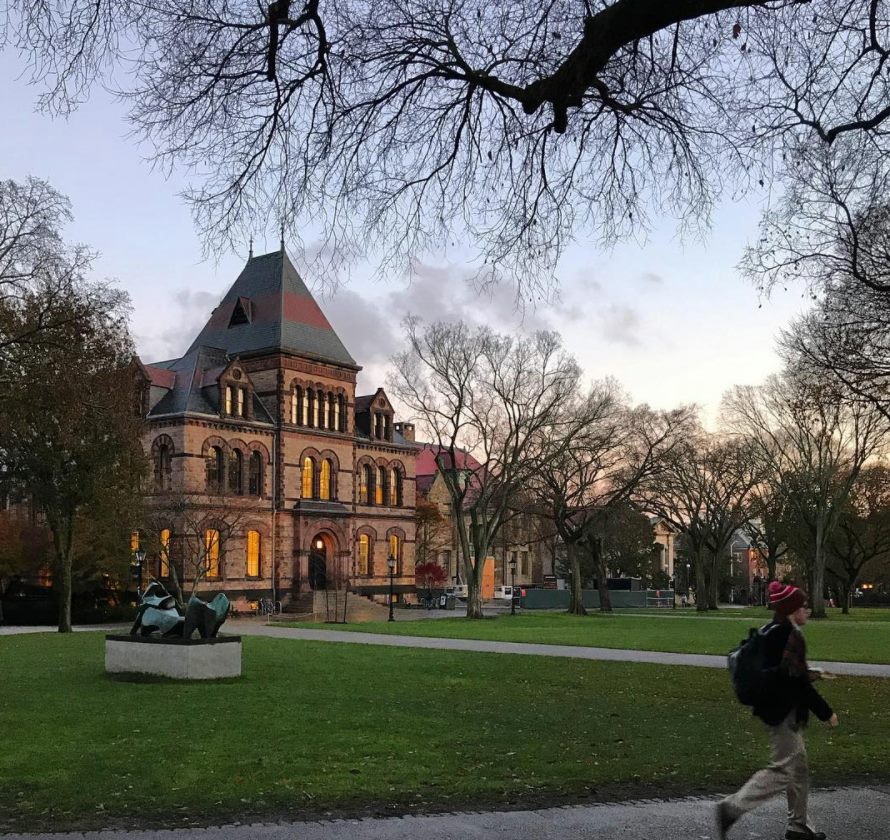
{"x": 268, "y": 309}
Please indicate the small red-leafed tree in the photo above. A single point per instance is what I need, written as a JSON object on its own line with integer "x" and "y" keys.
{"x": 429, "y": 576}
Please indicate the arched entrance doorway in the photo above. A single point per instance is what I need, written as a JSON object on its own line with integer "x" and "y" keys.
{"x": 318, "y": 563}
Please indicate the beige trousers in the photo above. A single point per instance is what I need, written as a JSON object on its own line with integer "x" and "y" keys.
{"x": 787, "y": 771}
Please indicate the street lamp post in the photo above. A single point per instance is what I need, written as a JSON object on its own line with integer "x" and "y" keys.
{"x": 512, "y": 586}
{"x": 136, "y": 569}
{"x": 391, "y": 563}
{"x": 688, "y": 566}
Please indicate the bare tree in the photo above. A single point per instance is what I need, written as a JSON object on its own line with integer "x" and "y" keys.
{"x": 419, "y": 122}
{"x": 493, "y": 406}
{"x": 41, "y": 277}
{"x": 200, "y": 530}
{"x": 583, "y": 479}
{"x": 812, "y": 441}
{"x": 767, "y": 525}
{"x": 862, "y": 537}
{"x": 703, "y": 491}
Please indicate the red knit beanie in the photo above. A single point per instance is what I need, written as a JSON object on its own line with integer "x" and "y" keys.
{"x": 785, "y": 598}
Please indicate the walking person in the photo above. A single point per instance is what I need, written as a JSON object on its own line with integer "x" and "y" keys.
{"x": 784, "y": 710}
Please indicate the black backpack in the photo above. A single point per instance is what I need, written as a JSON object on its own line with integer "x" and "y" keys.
{"x": 752, "y": 679}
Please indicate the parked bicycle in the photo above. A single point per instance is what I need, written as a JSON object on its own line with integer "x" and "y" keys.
{"x": 267, "y": 606}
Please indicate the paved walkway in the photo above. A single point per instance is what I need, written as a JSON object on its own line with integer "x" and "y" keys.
{"x": 696, "y": 660}
{"x": 844, "y": 814}
{"x": 525, "y": 649}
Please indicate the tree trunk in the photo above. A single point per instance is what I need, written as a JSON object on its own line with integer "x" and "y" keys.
{"x": 65, "y": 587}
{"x": 576, "y": 604}
{"x": 771, "y": 563}
{"x": 2, "y": 593}
{"x": 846, "y": 592}
{"x": 474, "y": 602}
{"x": 714, "y": 583}
{"x": 817, "y": 597}
{"x": 701, "y": 583}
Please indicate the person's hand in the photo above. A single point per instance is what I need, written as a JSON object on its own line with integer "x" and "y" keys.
{"x": 833, "y": 721}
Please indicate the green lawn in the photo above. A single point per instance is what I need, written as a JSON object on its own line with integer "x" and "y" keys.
{"x": 831, "y": 640}
{"x": 314, "y": 728}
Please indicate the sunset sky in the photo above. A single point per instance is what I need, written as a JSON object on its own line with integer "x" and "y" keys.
{"x": 672, "y": 321}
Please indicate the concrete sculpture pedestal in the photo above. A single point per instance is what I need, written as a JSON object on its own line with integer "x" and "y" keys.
{"x": 180, "y": 659}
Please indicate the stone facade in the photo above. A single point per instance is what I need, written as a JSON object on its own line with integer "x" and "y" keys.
{"x": 257, "y": 433}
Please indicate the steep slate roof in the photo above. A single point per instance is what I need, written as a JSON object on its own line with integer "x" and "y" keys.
{"x": 426, "y": 460}
{"x": 283, "y": 316}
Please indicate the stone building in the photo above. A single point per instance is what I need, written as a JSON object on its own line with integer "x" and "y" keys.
{"x": 257, "y": 433}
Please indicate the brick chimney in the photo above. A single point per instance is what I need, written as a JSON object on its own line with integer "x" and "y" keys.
{"x": 406, "y": 430}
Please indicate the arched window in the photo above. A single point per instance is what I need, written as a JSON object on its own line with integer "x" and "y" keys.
{"x": 364, "y": 485}
{"x": 240, "y": 402}
{"x": 304, "y": 406}
{"x": 380, "y": 486}
{"x": 336, "y": 423}
{"x": 164, "y": 554}
{"x": 252, "y": 566}
{"x": 308, "y": 477}
{"x": 395, "y": 550}
{"x": 255, "y": 474}
{"x": 229, "y": 395}
{"x": 214, "y": 467}
{"x": 163, "y": 466}
{"x": 364, "y": 554}
{"x": 236, "y": 461}
{"x": 324, "y": 484}
{"x": 316, "y": 395}
{"x": 211, "y": 552}
{"x": 395, "y": 488}
{"x": 326, "y": 419}
{"x": 294, "y": 407}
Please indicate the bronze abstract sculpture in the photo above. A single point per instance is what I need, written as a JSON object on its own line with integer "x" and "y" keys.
{"x": 159, "y": 615}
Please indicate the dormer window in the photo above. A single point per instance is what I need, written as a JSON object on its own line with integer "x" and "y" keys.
{"x": 242, "y": 313}
{"x": 235, "y": 400}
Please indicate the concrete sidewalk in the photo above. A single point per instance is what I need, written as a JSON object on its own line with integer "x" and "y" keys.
{"x": 695, "y": 660}
{"x": 525, "y": 649}
{"x": 860, "y": 813}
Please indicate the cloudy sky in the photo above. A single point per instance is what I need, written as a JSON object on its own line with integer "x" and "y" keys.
{"x": 671, "y": 320}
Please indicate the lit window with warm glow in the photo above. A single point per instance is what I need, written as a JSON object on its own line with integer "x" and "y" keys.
{"x": 394, "y": 551}
{"x": 324, "y": 488}
{"x": 364, "y": 478}
{"x": 293, "y": 407}
{"x": 211, "y": 552}
{"x": 379, "y": 486}
{"x": 308, "y": 477}
{"x": 315, "y": 397}
{"x": 395, "y": 479}
{"x": 364, "y": 552}
{"x": 228, "y": 399}
{"x": 240, "y": 402}
{"x": 134, "y": 541}
{"x": 253, "y": 554}
{"x": 164, "y": 554}
{"x": 336, "y": 407}
{"x": 327, "y": 411}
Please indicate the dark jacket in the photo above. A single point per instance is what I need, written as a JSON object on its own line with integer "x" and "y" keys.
{"x": 791, "y": 688}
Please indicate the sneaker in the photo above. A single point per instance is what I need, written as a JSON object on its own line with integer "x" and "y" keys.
{"x": 723, "y": 820}
{"x": 793, "y": 834}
